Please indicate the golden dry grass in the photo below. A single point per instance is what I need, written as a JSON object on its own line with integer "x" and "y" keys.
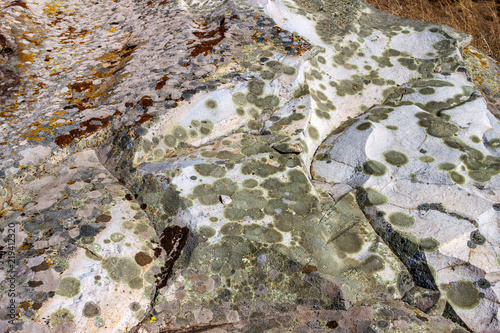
{"x": 479, "y": 18}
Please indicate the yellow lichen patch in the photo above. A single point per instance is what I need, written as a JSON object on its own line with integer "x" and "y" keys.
{"x": 37, "y": 131}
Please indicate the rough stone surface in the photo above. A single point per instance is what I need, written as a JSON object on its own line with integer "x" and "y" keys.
{"x": 244, "y": 166}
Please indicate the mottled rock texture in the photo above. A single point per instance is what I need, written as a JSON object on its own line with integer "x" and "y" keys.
{"x": 244, "y": 166}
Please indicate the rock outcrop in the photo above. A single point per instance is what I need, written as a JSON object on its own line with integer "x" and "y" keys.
{"x": 245, "y": 166}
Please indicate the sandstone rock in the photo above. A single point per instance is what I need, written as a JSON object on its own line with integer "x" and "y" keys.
{"x": 244, "y": 166}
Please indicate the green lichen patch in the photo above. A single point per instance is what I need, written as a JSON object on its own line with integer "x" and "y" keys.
{"x": 211, "y": 104}
{"x": 475, "y": 139}
{"x": 69, "y": 287}
{"x": 392, "y": 127}
{"x": 435, "y": 126}
{"x": 429, "y": 245}
{"x": 462, "y": 294}
{"x": 210, "y": 170}
{"x": 364, "y": 126}
{"x": 395, "y": 158}
{"x": 447, "y": 166}
{"x": 457, "y": 177}
{"x": 256, "y": 87}
{"x": 256, "y": 233}
{"x": 123, "y": 270}
{"x": 375, "y": 198}
{"x": 117, "y": 237}
{"x": 494, "y": 143}
{"x": 246, "y": 203}
{"x": 426, "y": 159}
{"x": 374, "y": 168}
{"x": 402, "y": 220}
{"x": 209, "y": 194}
{"x": 313, "y": 132}
{"x": 61, "y": 316}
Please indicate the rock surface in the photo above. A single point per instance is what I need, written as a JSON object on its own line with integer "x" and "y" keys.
{"x": 245, "y": 166}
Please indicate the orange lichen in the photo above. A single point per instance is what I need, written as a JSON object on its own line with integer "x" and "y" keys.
{"x": 36, "y": 129}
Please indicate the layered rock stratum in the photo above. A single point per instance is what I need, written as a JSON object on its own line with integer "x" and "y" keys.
{"x": 245, "y": 166}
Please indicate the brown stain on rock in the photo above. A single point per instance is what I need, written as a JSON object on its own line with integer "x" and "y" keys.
{"x": 173, "y": 240}
{"x": 142, "y": 259}
{"x": 88, "y": 127}
{"x": 162, "y": 82}
{"x": 145, "y": 102}
{"x": 208, "y": 39}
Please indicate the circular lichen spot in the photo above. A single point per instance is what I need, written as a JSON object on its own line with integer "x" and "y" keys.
{"x": 475, "y": 139}
{"x": 193, "y": 133}
{"x": 61, "y": 316}
{"x": 180, "y": 133}
{"x": 69, "y": 287}
{"x": 349, "y": 242}
{"x": 426, "y": 159}
{"x": 240, "y": 111}
{"x": 402, "y": 220}
{"x": 117, "y": 237}
{"x": 134, "y": 306}
{"x": 158, "y": 152}
{"x": 462, "y": 294}
{"x": 195, "y": 123}
{"x": 313, "y": 132}
{"x": 494, "y": 143}
{"x": 254, "y": 125}
{"x": 211, "y": 104}
{"x": 136, "y": 283}
{"x": 256, "y": 87}
{"x": 207, "y": 231}
{"x": 395, "y": 158}
{"x": 250, "y": 183}
{"x": 447, "y": 166}
{"x": 170, "y": 141}
{"x": 239, "y": 99}
{"x": 456, "y": 177}
{"x": 231, "y": 229}
{"x": 374, "y": 168}
{"x": 91, "y": 310}
{"x": 206, "y": 127}
{"x": 267, "y": 75}
{"x": 213, "y": 219}
{"x": 429, "y": 245}
{"x": 364, "y": 126}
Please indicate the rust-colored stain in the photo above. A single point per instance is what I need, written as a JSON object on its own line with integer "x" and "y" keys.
{"x": 146, "y": 102}
{"x": 308, "y": 269}
{"x": 173, "y": 240}
{"x": 213, "y": 37}
{"x": 162, "y": 82}
{"x": 129, "y": 104}
{"x": 88, "y": 127}
{"x": 17, "y": 3}
{"x": 145, "y": 117}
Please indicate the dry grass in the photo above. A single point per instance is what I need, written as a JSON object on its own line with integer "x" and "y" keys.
{"x": 479, "y": 18}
